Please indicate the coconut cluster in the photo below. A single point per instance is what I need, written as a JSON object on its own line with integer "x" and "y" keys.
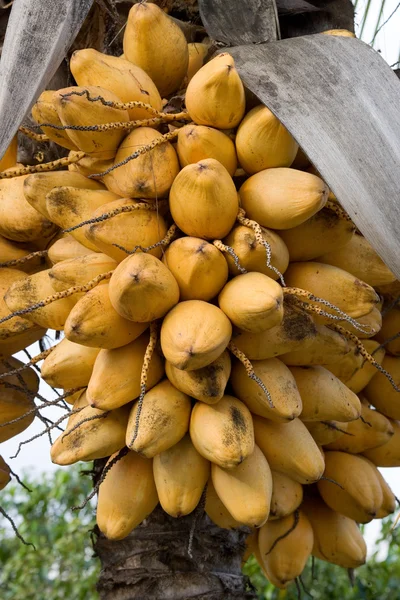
{"x": 225, "y": 327}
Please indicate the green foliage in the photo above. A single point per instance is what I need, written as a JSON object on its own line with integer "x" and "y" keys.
{"x": 379, "y": 578}
{"x": 62, "y": 567}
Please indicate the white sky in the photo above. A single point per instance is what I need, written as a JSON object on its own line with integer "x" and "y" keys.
{"x": 35, "y": 456}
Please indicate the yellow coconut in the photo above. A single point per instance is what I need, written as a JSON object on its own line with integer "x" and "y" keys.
{"x": 89, "y": 165}
{"x": 38, "y": 185}
{"x": 203, "y": 200}
{"x": 326, "y": 432}
{"x": 371, "y": 430}
{"x": 380, "y": 392}
{"x": 390, "y": 328}
{"x": 279, "y": 382}
{"x": 5, "y": 475}
{"x": 118, "y": 75}
{"x": 215, "y": 94}
{"x": 252, "y": 254}
{"x": 163, "y": 421}
{"x": 197, "y": 54}
{"x": 289, "y": 449}
{"x": 337, "y": 539}
{"x": 31, "y": 290}
{"x": 387, "y": 455}
{"x": 285, "y": 545}
{"x": 102, "y": 434}
{"x": 17, "y": 333}
{"x": 297, "y": 330}
{"x": 115, "y": 380}
{"x": 94, "y": 322}
{"x": 324, "y": 396}
{"x": 323, "y": 232}
{"x": 197, "y": 142}
{"x": 142, "y": 288}
{"x": 246, "y": 489}
{"x": 253, "y": 302}
{"x": 180, "y": 475}
{"x": 69, "y": 206}
{"x": 287, "y": 495}
{"x": 359, "y": 493}
{"x": 282, "y": 198}
{"x": 118, "y": 510}
{"x": 69, "y": 365}
{"x": 9, "y": 158}
{"x": 17, "y": 393}
{"x": 156, "y": 44}
{"x": 128, "y": 230}
{"x": 363, "y": 375}
{"x": 45, "y": 111}
{"x": 223, "y": 432}
{"x": 194, "y": 333}
{"x": 80, "y": 270}
{"x": 207, "y": 384}
{"x": 65, "y": 248}
{"x": 262, "y": 142}
{"x": 14, "y": 251}
{"x": 199, "y": 268}
{"x": 216, "y": 510}
{"x": 76, "y": 106}
{"x": 151, "y": 174}
{"x": 360, "y": 259}
{"x": 19, "y": 221}
{"x": 351, "y": 295}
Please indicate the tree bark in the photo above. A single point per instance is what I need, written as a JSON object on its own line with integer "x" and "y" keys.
{"x": 154, "y": 561}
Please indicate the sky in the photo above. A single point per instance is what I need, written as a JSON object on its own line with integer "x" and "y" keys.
{"x": 35, "y": 455}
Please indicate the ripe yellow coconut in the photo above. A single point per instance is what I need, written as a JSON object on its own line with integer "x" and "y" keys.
{"x": 80, "y": 270}
{"x": 66, "y": 248}
{"x": 140, "y": 228}
{"x": 349, "y": 294}
{"x": 252, "y": 254}
{"x": 19, "y": 221}
{"x": 246, "y": 489}
{"x": 142, "y": 288}
{"x": 262, "y": 142}
{"x": 253, "y": 302}
{"x": 45, "y": 111}
{"x": 282, "y": 198}
{"x": 287, "y": 495}
{"x": 156, "y": 44}
{"x": 284, "y": 546}
{"x": 180, "y": 474}
{"x": 38, "y": 185}
{"x": 74, "y": 108}
{"x": 115, "y": 380}
{"x": 69, "y": 365}
{"x": 197, "y": 142}
{"x": 151, "y": 174}
{"x": 360, "y": 259}
{"x": 223, "y": 432}
{"x": 15, "y": 403}
{"x": 207, "y": 384}
{"x": 118, "y": 510}
{"x": 9, "y": 158}
{"x": 280, "y": 384}
{"x": 323, "y": 232}
{"x": 94, "y": 322}
{"x": 69, "y": 206}
{"x": 197, "y": 54}
{"x": 203, "y": 200}
{"x": 118, "y": 75}
{"x": 215, "y": 94}
{"x": 32, "y": 290}
{"x": 194, "y": 333}
{"x": 164, "y": 420}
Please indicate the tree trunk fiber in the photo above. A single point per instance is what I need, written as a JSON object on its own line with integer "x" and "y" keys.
{"x": 153, "y": 562}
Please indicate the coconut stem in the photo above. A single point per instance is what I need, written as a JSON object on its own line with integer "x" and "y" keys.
{"x": 50, "y": 166}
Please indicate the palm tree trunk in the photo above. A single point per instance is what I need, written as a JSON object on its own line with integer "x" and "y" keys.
{"x": 155, "y": 562}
